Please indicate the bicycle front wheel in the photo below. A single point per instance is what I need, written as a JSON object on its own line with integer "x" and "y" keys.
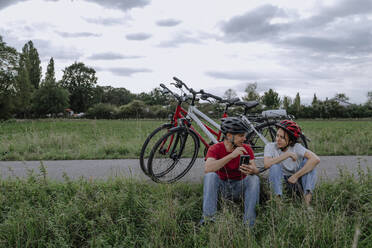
{"x": 173, "y": 155}
{"x": 149, "y": 144}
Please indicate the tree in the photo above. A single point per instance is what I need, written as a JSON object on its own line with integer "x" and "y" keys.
{"x": 134, "y": 109}
{"x": 155, "y": 97}
{"x": 271, "y": 99}
{"x": 158, "y": 98}
{"x": 24, "y": 90}
{"x": 79, "y": 80}
{"x": 9, "y": 58}
{"x": 230, "y": 94}
{"x": 297, "y": 104}
{"x": 315, "y": 101}
{"x": 115, "y": 96}
{"x": 287, "y": 101}
{"x": 50, "y": 98}
{"x": 31, "y": 61}
{"x": 341, "y": 97}
{"x": 252, "y": 94}
{"x": 369, "y": 99}
{"x": 50, "y": 74}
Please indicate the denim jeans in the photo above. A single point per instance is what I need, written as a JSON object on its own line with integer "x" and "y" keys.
{"x": 276, "y": 177}
{"x": 248, "y": 189}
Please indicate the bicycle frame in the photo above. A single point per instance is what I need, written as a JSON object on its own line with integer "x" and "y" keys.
{"x": 193, "y": 113}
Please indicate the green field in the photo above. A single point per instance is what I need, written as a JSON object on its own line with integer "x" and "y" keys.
{"x": 36, "y": 212}
{"x": 104, "y": 139}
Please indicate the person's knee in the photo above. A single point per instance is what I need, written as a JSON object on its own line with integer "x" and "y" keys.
{"x": 275, "y": 171}
{"x": 275, "y": 168}
{"x": 252, "y": 181}
{"x": 211, "y": 178}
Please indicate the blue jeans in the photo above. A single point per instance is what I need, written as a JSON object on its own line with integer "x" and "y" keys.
{"x": 276, "y": 177}
{"x": 248, "y": 189}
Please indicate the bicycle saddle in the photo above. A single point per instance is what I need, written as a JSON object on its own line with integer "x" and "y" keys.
{"x": 247, "y": 105}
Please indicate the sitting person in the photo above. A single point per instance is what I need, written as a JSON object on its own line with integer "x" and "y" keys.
{"x": 288, "y": 160}
{"x": 225, "y": 175}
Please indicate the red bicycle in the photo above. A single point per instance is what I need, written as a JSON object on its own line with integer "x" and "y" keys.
{"x": 180, "y": 114}
{"x": 181, "y": 148}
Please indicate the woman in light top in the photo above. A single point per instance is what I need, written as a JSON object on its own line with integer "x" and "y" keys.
{"x": 290, "y": 162}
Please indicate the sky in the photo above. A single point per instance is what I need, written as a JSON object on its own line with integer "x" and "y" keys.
{"x": 313, "y": 46}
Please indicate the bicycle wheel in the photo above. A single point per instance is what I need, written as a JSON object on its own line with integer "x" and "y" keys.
{"x": 268, "y": 130}
{"x": 149, "y": 144}
{"x": 173, "y": 155}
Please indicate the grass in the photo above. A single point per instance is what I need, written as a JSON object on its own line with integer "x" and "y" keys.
{"x": 37, "y": 212}
{"x": 339, "y": 137}
{"x": 112, "y": 139}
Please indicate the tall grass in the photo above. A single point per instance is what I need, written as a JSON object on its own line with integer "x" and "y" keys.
{"x": 37, "y": 212}
{"x": 104, "y": 139}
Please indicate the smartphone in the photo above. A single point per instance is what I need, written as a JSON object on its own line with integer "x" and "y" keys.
{"x": 244, "y": 159}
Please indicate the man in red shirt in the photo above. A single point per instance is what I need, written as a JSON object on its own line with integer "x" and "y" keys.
{"x": 224, "y": 175}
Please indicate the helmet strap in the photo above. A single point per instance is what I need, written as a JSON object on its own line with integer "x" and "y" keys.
{"x": 232, "y": 141}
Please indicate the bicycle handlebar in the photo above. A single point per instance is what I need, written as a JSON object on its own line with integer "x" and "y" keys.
{"x": 178, "y": 97}
{"x": 207, "y": 95}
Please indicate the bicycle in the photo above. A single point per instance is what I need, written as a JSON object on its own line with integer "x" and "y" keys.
{"x": 175, "y": 147}
{"x": 179, "y": 114}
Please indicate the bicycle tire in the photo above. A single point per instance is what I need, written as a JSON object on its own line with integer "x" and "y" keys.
{"x": 173, "y": 155}
{"x": 268, "y": 130}
{"x": 149, "y": 144}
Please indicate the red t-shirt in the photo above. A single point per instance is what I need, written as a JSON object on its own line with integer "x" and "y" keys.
{"x": 231, "y": 169}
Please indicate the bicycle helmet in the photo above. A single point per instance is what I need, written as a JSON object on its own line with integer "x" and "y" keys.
{"x": 291, "y": 127}
{"x": 233, "y": 125}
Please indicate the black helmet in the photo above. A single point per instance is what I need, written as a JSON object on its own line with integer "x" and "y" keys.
{"x": 233, "y": 125}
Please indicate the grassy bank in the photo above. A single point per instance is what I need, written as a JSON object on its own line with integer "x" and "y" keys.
{"x": 103, "y": 139}
{"x": 36, "y": 212}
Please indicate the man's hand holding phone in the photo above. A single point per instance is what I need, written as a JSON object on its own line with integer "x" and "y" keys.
{"x": 246, "y": 166}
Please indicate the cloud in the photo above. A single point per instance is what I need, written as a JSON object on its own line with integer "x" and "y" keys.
{"x": 168, "y": 22}
{"x": 138, "y": 36}
{"x": 112, "y": 4}
{"x": 6, "y": 3}
{"x": 121, "y": 4}
{"x": 237, "y": 75}
{"x": 343, "y": 28}
{"x": 253, "y": 25}
{"x": 77, "y": 35}
{"x": 111, "y": 56}
{"x": 105, "y": 21}
{"x": 179, "y": 39}
{"x": 46, "y": 50}
{"x": 356, "y": 44}
{"x": 123, "y": 71}
{"x": 341, "y": 9}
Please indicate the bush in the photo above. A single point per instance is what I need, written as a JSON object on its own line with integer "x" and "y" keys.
{"x": 134, "y": 109}
{"x": 102, "y": 111}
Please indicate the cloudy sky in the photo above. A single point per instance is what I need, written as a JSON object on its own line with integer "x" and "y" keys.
{"x": 314, "y": 46}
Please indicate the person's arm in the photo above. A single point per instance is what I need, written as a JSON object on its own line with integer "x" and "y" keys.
{"x": 268, "y": 161}
{"x": 312, "y": 161}
{"x": 213, "y": 165}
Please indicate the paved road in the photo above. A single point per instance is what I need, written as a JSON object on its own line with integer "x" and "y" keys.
{"x": 104, "y": 169}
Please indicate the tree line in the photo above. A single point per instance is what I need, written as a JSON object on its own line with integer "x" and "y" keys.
{"x": 24, "y": 93}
